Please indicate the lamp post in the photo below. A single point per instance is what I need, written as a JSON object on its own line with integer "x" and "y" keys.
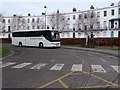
{"x": 45, "y": 15}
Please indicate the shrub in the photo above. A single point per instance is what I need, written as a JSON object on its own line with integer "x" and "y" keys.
{"x": 91, "y": 41}
{"x": 6, "y": 40}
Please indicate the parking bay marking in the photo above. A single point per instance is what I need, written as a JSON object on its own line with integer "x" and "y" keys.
{"x": 39, "y": 66}
{"x": 76, "y": 67}
{"x": 6, "y": 64}
{"x": 108, "y": 82}
{"x": 53, "y": 81}
{"x": 21, "y": 65}
{"x": 116, "y": 68}
{"x": 98, "y": 68}
{"x": 57, "y": 67}
{"x": 64, "y": 76}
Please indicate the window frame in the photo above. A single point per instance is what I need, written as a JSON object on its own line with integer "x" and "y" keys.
{"x": 105, "y": 13}
{"x": 112, "y": 12}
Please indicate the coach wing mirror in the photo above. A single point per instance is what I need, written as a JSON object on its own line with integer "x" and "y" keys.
{"x": 52, "y": 33}
{"x": 42, "y": 36}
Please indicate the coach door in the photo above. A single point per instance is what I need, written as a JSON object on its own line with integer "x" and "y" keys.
{"x": 27, "y": 41}
{"x": 118, "y": 33}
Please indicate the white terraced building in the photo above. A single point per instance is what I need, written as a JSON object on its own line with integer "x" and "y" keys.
{"x": 95, "y": 22}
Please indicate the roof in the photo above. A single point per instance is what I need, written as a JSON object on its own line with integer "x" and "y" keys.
{"x": 114, "y": 19}
{"x": 35, "y": 30}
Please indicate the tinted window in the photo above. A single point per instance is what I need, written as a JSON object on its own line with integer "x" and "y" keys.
{"x": 47, "y": 34}
{"x": 55, "y": 36}
{"x": 119, "y": 11}
{"x": 26, "y": 34}
{"x": 18, "y": 34}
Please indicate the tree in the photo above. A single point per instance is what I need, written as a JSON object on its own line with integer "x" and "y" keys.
{"x": 74, "y": 9}
{"x": 18, "y": 22}
{"x": 1, "y": 23}
{"x": 87, "y": 22}
{"x": 38, "y": 24}
{"x": 21, "y": 23}
{"x": 58, "y": 21}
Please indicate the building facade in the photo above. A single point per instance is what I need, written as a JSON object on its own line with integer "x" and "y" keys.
{"x": 93, "y": 23}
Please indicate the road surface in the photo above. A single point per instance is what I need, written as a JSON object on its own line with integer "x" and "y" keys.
{"x": 35, "y": 68}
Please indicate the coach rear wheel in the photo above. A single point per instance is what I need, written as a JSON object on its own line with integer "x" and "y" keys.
{"x": 41, "y": 45}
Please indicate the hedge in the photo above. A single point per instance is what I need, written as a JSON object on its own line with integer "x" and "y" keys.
{"x": 91, "y": 41}
{"x": 82, "y": 41}
{"x": 6, "y": 40}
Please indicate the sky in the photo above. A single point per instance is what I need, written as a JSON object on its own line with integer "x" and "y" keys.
{"x": 36, "y": 7}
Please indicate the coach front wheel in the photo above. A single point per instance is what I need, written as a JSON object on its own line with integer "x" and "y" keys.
{"x": 20, "y": 44}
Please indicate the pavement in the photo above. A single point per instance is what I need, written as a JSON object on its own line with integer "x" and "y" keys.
{"x": 104, "y": 51}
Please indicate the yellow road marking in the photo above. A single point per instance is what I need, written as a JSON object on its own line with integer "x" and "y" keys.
{"x": 99, "y": 86}
{"x": 72, "y": 73}
{"x": 101, "y": 79}
{"x": 62, "y": 83}
{"x": 59, "y": 79}
{"x": 47, "y": 84}
{"x": 77, "y": 73}
{"x": 43, "y": 86}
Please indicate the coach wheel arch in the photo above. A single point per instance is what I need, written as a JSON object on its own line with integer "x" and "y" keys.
{"x": 20, "y": 44}
{"x": 41, "y": 45}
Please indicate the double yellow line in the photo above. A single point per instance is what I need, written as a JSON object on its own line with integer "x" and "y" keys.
{"x": 108, "y": 82}
{"x": 98, "y": 86}
{"x": 71, "y": 73}
{"x": 56, "y": 80}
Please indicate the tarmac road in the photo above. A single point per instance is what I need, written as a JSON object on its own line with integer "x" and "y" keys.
{"x": 37, "y": 68}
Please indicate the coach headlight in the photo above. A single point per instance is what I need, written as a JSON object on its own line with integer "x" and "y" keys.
{"x": 56, "y": 44}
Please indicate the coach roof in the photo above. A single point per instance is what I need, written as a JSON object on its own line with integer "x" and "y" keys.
{"x": 35, "y": 30}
